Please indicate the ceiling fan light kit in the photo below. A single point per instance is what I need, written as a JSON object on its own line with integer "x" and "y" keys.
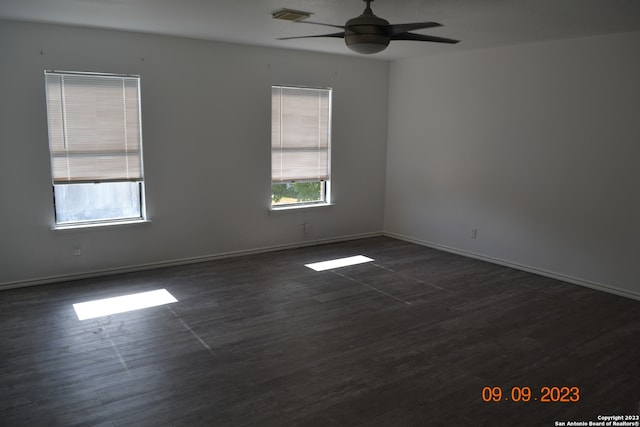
{"x": 362, "y": 34}
{"x": 369, "y": 34}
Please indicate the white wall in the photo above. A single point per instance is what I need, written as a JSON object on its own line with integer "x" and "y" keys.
{"x": 206, "y": 135}
{"x": 537, "y": 146}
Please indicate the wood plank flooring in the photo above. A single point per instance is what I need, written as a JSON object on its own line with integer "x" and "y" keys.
{"x": 410, "y": 339}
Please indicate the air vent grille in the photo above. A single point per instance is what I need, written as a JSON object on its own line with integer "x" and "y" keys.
{"x": 291, "y": 15}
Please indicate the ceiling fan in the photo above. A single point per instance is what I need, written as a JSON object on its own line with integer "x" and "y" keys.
{"x": 368, "y": 33}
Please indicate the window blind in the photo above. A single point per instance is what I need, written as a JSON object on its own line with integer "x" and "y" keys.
{"x": 94, "y": 127}
{"x": 300, "y": 134}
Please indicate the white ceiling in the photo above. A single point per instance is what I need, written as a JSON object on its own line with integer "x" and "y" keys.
{"x": 477, "y": 23}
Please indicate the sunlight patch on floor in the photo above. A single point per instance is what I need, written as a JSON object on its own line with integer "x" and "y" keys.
{"x": 122, "y": 304}
{"x": 337, "y": 263}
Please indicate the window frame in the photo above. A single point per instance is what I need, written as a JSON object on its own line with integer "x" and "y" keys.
{"x": 325, "y": 191}
{"x": 137, "y": 179}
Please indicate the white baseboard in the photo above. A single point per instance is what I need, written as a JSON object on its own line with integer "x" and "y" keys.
{"x": 534, "y": 270}
{"x": 176, "y": 262}
{"x": 213, "y": 257}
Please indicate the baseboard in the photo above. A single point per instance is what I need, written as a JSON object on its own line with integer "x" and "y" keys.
{"x": 529, "y": 269}
{"x": 182, "y": 261}
{"x": 213, "y": 257}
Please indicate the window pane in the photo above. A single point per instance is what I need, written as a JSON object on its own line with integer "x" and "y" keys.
{"x": 97, "y": 202}
{"x": 297, "y": 192}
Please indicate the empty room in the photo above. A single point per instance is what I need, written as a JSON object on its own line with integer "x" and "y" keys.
{"x": 319, "y": 213}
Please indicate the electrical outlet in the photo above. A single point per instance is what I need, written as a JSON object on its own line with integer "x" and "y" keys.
{"x": 474, "y": 233}
{"x": 77, "y": 251}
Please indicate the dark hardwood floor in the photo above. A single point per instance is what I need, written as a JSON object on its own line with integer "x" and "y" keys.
{"x": 408, "y": 340}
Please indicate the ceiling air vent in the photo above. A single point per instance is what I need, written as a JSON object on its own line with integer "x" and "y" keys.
{"x": 291, "y": 15}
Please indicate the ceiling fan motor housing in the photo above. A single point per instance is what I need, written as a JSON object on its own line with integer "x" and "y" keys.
{"x": 367, "y": 33}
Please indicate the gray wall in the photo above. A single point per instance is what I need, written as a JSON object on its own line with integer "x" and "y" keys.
{"x": 206, "y": 135}
{"x": 535, "y": 146}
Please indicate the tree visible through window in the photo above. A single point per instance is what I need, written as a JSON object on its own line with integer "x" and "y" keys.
{"x": 95, "y": 145}
{"x": 300, "y": 145}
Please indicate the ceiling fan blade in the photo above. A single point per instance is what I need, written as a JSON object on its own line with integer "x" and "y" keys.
{"x": 320, "y": 23}
{"x": 402, "y": 28}
{"x": 422, "y": 38}
{"x": 337, "y": 35}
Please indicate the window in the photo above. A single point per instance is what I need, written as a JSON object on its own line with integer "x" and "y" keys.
{"x": 300, "y": 145}
{"x": 95, "y": 145}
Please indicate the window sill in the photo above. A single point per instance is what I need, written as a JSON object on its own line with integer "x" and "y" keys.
{"x": 297, "y": 207}
{"x": 98, "y": 225}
